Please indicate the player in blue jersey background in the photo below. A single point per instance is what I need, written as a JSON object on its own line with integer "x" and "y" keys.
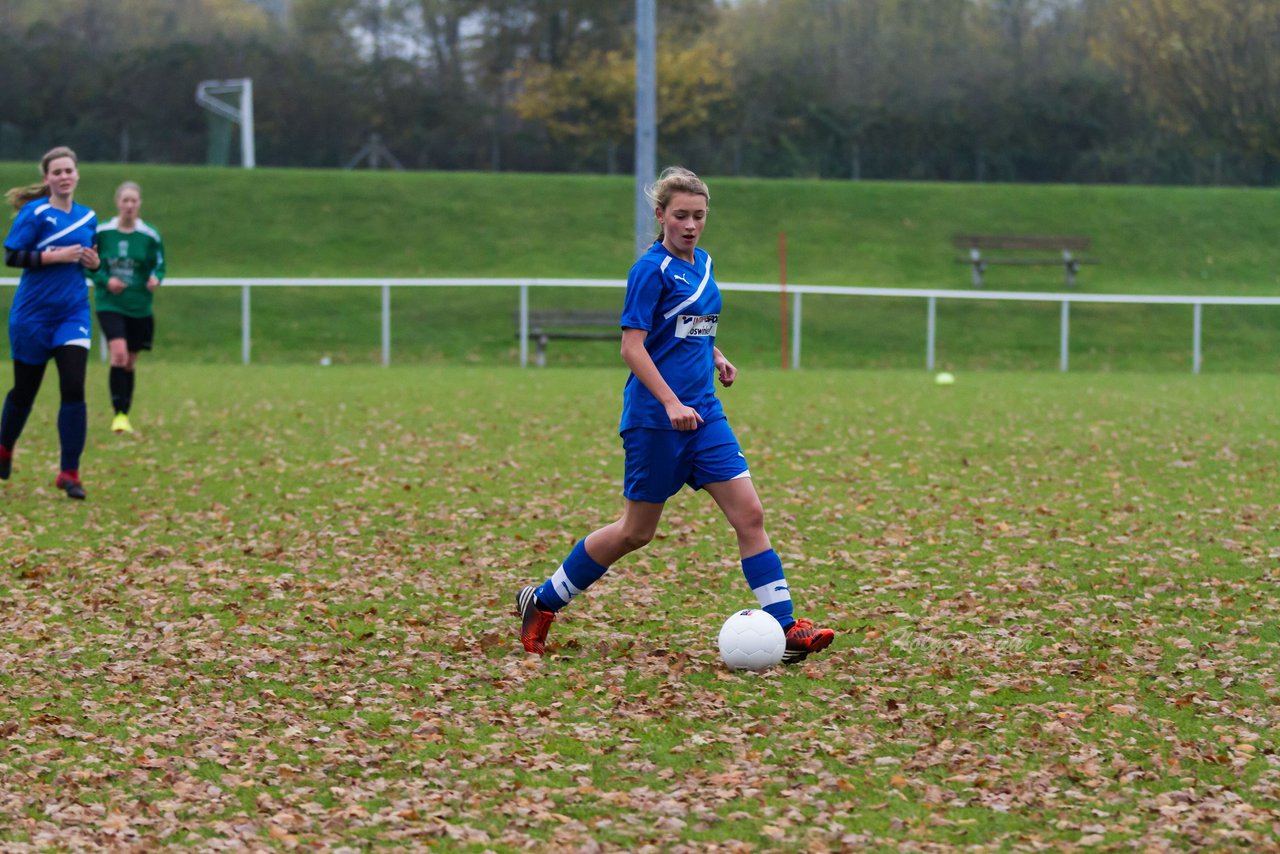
{"x": 53, "y": 241}
{"x": 674, "y": 430}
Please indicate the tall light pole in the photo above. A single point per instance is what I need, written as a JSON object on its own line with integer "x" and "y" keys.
{"x": 646, "y": 118}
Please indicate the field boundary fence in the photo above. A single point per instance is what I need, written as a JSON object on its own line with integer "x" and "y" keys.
{"x": 796, "y": 293}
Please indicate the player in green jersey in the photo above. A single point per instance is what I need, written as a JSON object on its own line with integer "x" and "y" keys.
{"x": 132, "y": 268}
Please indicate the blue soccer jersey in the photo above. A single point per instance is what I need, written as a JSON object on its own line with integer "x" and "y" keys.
{"x": 58, "y": 291}
{"x": 678, "y": 304}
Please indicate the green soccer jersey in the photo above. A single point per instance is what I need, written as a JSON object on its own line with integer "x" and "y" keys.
{"x": 133, "y": 257}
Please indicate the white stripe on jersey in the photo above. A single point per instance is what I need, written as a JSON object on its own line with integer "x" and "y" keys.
{"x": 691, "y": 300}
{"x": 43, "y": 243}
{"x": 113, "y": 224}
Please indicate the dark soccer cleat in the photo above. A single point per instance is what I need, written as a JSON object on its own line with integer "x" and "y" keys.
{"x": 6, "y": 462}
{"x": 69, "y": 482}
{"x": 803, "y": 638}
{"x": 534, "y": 622}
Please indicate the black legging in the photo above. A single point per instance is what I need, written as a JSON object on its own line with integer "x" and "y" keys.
{"x": 73, "y": 364}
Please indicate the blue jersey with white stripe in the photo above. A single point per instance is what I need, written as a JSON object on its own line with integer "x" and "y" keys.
{"x": 50, "y": 293}
{"x": 678, "y": 304}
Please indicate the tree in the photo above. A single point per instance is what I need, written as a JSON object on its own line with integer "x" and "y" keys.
{"x": 542, "y": 39}
{"x": 591, "y": 98}
{"x": 110, "y": 25}
{"x": 1209, "y": 68}
{"x": 927, "y": 89}
{"x": 830, "y": 82}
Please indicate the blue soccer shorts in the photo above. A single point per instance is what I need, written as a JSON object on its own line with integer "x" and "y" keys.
{"x": 659, "y": 462}
{"x": 34, "y": 342}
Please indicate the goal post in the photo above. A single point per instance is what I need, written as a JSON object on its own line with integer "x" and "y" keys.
{"x": 208, "y": 94}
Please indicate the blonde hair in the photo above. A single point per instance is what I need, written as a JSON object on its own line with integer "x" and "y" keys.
{"x": 128, "y": 185}
{"x": 675, "y": 179}
{"x": 19, "y": 196}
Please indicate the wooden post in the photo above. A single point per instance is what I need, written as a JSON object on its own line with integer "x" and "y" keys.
{"x": 782, "y": 295}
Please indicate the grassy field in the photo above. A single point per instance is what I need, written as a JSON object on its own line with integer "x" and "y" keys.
{"x": 282, "y": 619}
{"x": 273, "y": 222}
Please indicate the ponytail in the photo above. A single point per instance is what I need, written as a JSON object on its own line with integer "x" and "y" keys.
{"x": 20, "y": 196}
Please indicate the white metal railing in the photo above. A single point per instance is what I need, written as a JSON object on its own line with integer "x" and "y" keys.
{"x": 932, "y": 296}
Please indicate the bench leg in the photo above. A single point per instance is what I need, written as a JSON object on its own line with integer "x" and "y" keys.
{"x": 1069, "y": 262}
{"x": 975, "y": 258}
{"x": 540, "y": 357}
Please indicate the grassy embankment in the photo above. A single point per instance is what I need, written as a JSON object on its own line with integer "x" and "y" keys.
{"x": 220, "y": 222}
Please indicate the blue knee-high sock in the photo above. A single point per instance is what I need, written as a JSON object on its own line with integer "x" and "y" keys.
{"x": 576, "y": 574}
{"x": 767, "y": 580}
{"x": 12, "y": 421}
{"x": 73, "y": 426}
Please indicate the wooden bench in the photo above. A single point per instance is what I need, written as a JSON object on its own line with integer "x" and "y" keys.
{"x": 572, "y": 324}
{"x": 1066, "y": 245}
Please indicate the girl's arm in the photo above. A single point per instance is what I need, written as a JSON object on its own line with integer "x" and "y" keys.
{"x": 22, "y": 257}
{"x": 158, "y": 271}
{"x": 728, "y": 373}
{"x": 43, "y": 257}
{"x": 102, "y": 275}
{"x": 641, "y": 364}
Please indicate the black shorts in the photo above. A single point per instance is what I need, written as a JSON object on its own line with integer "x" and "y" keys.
{"x": 137, "y": 332}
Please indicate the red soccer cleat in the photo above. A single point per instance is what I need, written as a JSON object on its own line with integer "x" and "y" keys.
{"x": 69, "y": 482}
{"x": 534, "y": 622}
{"x": 803, "y": 638}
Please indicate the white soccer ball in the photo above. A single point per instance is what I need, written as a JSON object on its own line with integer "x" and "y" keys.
{"x": 752, "y": 640}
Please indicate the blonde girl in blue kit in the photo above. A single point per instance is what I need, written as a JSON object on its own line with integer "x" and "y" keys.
{"x": 674, "y": 430}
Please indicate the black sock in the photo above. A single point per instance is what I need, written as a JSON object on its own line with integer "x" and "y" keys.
{"x": 12, "y": 422}
{"x": 120, "y": 381}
